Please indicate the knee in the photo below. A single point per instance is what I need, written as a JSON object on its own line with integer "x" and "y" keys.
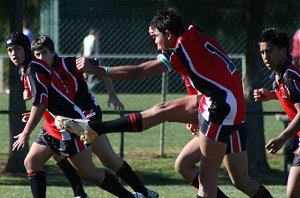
{"x": 240, "y": 182}
{"x": 29, "y": 164}
{"x": 179, "y": 167}
{"x": 159, "y": 108}
{"x": 114, "y": 164}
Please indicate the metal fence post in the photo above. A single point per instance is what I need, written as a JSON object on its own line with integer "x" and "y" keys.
{"x": 162, "y": 125}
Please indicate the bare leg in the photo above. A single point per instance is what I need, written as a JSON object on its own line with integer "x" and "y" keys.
{"x": 187, "y": 159}
{"x": 87, "y": 169}
{"x": 293, "y": 184}
{"x": 37, "y": 157}
{"x": 99, "y": 177}
{"x": 237, "y": 168}
{"x": 211, "y": 159}
{"x": 34, "y": 161}
{"x": 182, "y": 110}
{"x": 104, "y": 152}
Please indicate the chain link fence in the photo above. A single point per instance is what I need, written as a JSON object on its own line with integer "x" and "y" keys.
{"x": 126, "y": 41}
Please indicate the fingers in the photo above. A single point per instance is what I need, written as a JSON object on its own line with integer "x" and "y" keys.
{"x": 118, "y": 106}
{"x": 25, "y": 116}
{"x": 17, "y": 145}
{"x": 272, "y": 147}
{"x": 80, "y": 62}
{"x": 256, "y": 94}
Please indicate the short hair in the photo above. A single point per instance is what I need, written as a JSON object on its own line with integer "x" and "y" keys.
{"x": 277, "y": 37}
{"x": 168, "y": 20}
{"x": 42, "y": 42}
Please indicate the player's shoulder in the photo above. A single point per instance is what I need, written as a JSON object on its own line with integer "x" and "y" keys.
{"x": 38, "y": 65}
{"x": 291, "y": 73}
{"x": 69, "y": 62}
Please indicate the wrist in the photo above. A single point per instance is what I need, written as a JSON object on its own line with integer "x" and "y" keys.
{"x": 107, "y": 71}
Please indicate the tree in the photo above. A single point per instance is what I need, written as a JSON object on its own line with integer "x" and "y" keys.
{"x": 252, "y": 80}
{"x": 16, "y": 103}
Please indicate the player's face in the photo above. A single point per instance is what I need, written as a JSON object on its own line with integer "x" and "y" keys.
{"x": 272, "y": 56}
{"x": 16, "y": 54}
{"x": 160, "y": 39}
{"x": 45, "y": 54}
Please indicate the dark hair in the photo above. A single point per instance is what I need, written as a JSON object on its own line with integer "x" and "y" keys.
{"x": 18, "y": 38}
{"x": 276, "y": 37}
{"x": 168, "y": 20}
{"x": 42, "y": 42}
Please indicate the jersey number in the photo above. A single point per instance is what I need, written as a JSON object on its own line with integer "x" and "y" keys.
{"x": 212, "y": 49}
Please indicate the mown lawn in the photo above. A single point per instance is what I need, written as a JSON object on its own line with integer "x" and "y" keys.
{"x": 142, "y": 152}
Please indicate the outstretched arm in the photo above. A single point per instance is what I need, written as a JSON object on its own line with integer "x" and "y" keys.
{"x": 125, "y": 72}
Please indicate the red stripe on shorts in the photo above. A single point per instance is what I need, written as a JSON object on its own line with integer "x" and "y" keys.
{"x": 213, "y": 130}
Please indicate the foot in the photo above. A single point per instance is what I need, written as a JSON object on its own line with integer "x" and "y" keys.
{"x": 152, "y": 194}
{"x": 78, "y": 127}
{"x": 137, "y": 195}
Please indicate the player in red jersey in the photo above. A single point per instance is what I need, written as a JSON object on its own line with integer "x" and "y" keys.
{"x": 50, "y": 98}
{"x": 274, "y": 49}
{"x": 43, "y": 48}
{"x": 219, "y": 112}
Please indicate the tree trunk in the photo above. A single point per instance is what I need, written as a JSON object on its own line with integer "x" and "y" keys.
{"x": 252, "y": 80}
{"x": 16, "y": 103}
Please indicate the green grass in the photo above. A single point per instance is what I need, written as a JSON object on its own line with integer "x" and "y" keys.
{"x": 142, "y": 153}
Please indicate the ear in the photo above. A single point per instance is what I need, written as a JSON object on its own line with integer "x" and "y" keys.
{"x": 169, "y": 35}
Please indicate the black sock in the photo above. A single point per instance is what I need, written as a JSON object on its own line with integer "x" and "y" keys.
{"x": 198, "y": 196}
{"x": 129, "y": 123}
{"x": 37, "y": 181}
{"x": 129, "y": 176}
{"x": 111, "y": 185}
{"x": 262, "y": 193}
{"x": 220, "y": 193}
{"x": 72, "y": 177}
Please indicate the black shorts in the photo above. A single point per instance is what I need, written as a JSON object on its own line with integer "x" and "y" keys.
{"x": 235, "y": 136}
{"x": 65, "y": 148}
{"x": 296, "y": 161}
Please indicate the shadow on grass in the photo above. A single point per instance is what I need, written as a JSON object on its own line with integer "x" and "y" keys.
{"x": 56, "y": 178}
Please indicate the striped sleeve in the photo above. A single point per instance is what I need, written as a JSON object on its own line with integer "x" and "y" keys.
{"x": 164, "y": 60}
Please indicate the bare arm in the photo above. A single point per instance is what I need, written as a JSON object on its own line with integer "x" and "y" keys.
{"x": 113, "y": 98}
{"x": 262, "y": 95}
{"x": 36, "y": 114}
{"x": 275, "y": 144}
{"x": 125, "y": 72}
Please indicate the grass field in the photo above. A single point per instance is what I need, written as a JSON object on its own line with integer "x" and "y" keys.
{"x": 142, "y": 153}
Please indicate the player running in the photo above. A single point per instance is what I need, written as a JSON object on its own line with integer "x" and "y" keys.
{"x": 43, "y": 48}
{"x": 49, "y": 99}
{"x": 220, "y": 111}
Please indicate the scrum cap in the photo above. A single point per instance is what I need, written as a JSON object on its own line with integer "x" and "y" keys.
{"x": 18, "y": 38}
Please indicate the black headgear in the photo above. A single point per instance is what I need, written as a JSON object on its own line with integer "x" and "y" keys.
{"x": 18, "y": 38}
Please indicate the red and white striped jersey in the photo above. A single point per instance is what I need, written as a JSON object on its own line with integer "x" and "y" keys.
{"x": 287, "y": 90}
{"x": 46, "y": 87}
{"x": 204, "y": 65}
